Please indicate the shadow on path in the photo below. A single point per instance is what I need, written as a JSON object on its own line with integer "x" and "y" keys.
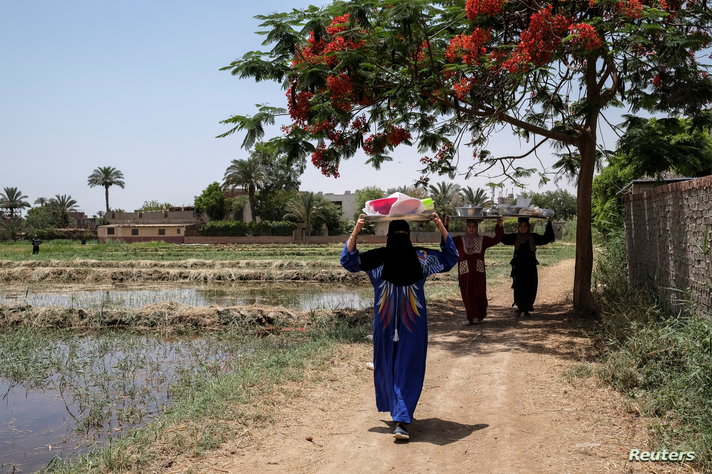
{"x": 548, "y": 330}
{"x": 433, "y": 430}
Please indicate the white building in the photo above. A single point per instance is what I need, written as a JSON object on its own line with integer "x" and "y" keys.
{"x": 346, "y": 202}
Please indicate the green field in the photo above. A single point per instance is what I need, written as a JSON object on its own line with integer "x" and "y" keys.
{"x": 159, "y": 251}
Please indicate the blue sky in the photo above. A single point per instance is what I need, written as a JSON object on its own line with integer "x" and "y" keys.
{"x": 136, "y": 85}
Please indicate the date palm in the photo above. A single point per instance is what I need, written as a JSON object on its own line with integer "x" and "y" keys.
{"x": 475, "y": 197}
{"x": 12, "y": 199}
{"x": 249, "y": 175}
{"x": 106, "y": 176}
{"x": 412, "y": 191}
{"x": 62, "y": 205}
{"x": 11, "y": 226}
{"x": 446, "y": 197}
{"x": 305, "y": 208}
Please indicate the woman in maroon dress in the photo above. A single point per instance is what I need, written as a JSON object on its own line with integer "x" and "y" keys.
{"x": 471, "y": 267}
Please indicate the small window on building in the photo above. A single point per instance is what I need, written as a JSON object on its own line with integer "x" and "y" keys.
{"x": 110, "y": 231}
{"x": 134, "y": 231}
{"x": 161, "y": 231}
{"x": 178, "y": 230}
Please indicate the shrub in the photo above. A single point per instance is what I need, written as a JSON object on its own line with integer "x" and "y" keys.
{"x": 239, "y": 228}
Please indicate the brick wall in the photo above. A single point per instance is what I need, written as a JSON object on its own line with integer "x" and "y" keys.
{"x": 665, "y": 233}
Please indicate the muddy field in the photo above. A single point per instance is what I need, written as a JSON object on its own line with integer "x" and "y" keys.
{"x": 145, "y": 271}
{"x": 173, "y": 316}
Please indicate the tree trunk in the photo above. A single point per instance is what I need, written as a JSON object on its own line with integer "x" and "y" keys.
{"x": 106, "y": 198}
{"x": 252, "y": 201}
{"x": 584, "y": 303}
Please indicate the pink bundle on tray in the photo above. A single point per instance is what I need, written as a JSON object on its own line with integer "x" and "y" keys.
{"x": 397, "y": 204}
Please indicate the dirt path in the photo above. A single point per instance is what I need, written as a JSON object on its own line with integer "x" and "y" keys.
{"x": 495, "y": 401}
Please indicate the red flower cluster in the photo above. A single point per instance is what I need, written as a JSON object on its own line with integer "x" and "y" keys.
{"x": 397, "y": 135}
{"x": 326, "y": 165}
{"x": 630, "y": 8}
{"x": 657, "y": 80}
{"x": 585, "y": 36}
{"x": 299, "y": 106}
{"x": 340, "y": 88}
{"x": 539, "y": 41}
{"x": 463, "y": 87}
{"x": 360, "y": 124}
{"x": 473, "y": 8}
{"x": 374, "y": 144}
{"x": 338, "y": 24}
{"x": 517, "y": 62}
{"x": 444, "y": 152}
{"x": 469, "y": 48}
{"x": 672, "y": 5}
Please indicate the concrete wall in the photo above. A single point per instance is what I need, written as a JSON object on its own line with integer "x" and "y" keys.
{"x": 347, "y": 201}
{"x": 153, "y": 217}
{"x": 125, "y": 233}
{"x": 666, "y": 228}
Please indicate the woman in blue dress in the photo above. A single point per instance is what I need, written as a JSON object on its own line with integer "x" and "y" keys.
{"x": 400, "y": 326}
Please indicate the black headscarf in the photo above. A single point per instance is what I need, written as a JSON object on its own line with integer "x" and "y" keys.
{"x": 401, "y": 265}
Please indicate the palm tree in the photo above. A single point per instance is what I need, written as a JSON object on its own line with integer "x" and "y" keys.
{"x": 446, "y": 196}
{"x": 412, "y": 191}
{"x": 475, "y": 197}
{"x": 13, "y": 199}
{"x": 306, "y": 208}
{"x": 106, "y": 176}
{"x": 62, "y": 205}
{"x": 248, "y": 174}
{"x": 41, "y": 201}
{"x": 493, "y": 186}
{"x": 10, "y": 226}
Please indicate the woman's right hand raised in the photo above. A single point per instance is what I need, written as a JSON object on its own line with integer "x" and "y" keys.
{"x": 360, "y": 222}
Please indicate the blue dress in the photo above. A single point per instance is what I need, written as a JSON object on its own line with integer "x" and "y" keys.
{"x": 400, "y": 330}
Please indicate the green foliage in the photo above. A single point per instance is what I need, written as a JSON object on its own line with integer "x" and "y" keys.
{"x": 236, "y": 207}
{"x": 106, "y": 176}
{"x": 562, "y": 202}
{"x": 660, "y": 359}
{"x": 63, "y": 234}
{"x": 650, "y": 148}
{"x": 10, "y": 227}
{"x": 474, "y": 197}
{"x": 330, "y": 215}
{"x": 307, "y": 208}
{"x": 212, "y": 202}
{"x": 272, "y": 203}
{"x": 13, "y": 200}
{"x": 367, "y": 194}
{"x": 41, "y": 217}
{"x": 61, "y": 205}
{"x": 655, "y": 146}
{"x": 154, "y": 205}
{"x": 607, "y": 207}
{"x": 446, "y": 197}
{"x": 239, "y": 228}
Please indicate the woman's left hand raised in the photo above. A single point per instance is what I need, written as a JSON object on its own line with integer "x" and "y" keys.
{"x": 439, "y": 224}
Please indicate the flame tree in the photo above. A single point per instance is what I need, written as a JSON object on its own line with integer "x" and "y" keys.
{"x": 443, "y": 76}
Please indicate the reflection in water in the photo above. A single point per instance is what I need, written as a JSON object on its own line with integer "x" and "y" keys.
{"x": 302, "y": 296}
{"x": 62, "y": 396}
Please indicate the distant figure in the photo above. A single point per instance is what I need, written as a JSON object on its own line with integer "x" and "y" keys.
{"x": 471, "y": 268}
{"x": 525, "y": 278}
{"x": 36, "y": 245}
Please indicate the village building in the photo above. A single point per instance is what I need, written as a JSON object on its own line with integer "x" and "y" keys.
{"x": 346, "y": 202}
{"x": 171, "y": 225}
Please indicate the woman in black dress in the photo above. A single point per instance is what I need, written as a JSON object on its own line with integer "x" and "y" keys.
{"x": 524, "y": 273}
